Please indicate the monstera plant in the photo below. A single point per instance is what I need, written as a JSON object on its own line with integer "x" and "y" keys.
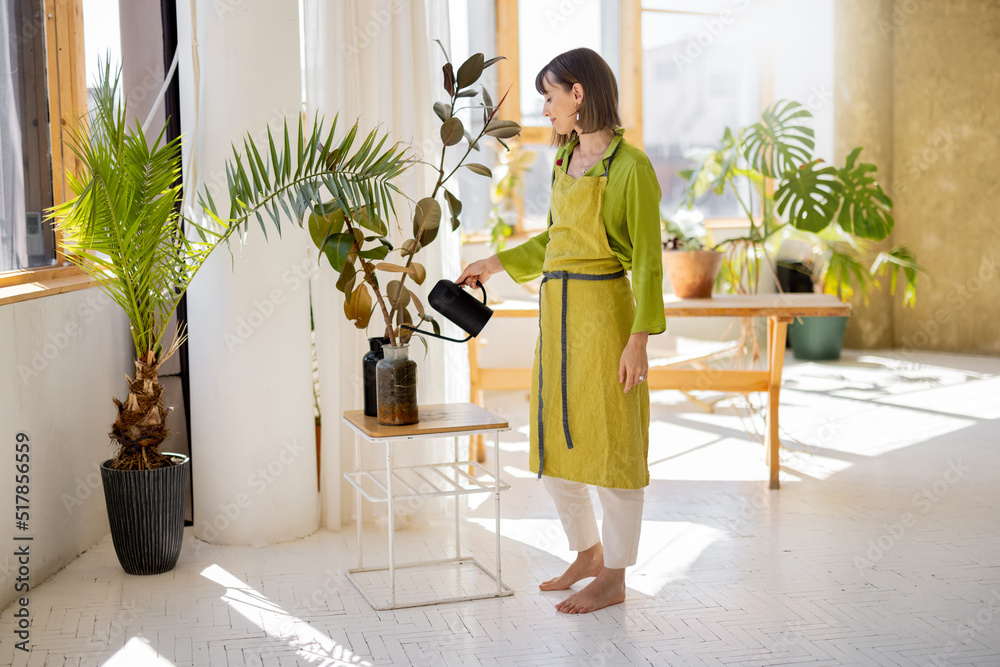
{"x": 344, "y": 195}
{"x": 840, "y": 211}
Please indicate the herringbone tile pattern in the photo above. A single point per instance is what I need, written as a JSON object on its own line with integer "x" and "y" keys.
{"x": 881, "y": 548}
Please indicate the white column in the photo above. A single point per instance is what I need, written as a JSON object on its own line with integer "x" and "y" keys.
{"x": 252, "y": 440}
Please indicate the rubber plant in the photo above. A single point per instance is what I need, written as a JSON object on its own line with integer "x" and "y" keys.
{"x": 839, "y": 210}
{"x": 314, "y": 183}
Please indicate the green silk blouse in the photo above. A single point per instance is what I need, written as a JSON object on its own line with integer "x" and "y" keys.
{"x": 632, "y": 220}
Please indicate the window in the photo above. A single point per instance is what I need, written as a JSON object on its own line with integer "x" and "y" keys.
{"x": 41, "y": 78}
{"x": 715, "y": 53}
{"x": 26, "y": 239}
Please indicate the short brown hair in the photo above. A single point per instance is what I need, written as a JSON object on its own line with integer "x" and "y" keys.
{"x": 600, "y": 103}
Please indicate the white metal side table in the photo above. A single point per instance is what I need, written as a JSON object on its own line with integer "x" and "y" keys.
{"x": 451, "y": 478}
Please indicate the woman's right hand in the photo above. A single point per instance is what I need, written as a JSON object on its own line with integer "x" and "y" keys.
{"x": 479, "y": 271}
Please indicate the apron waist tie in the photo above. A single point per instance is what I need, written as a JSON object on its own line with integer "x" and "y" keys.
{"x": 565, "y": 276}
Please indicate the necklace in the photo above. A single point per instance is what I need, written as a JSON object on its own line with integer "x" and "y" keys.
{"x": 587, "y": 167}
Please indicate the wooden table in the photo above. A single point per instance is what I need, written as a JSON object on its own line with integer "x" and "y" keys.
{"x": 779, "y": 309}
{"x": 450, "y": 479}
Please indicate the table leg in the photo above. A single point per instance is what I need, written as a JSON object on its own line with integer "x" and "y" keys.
{"x": 776, "y": 330}
{"x": 458, "y": 508}
{"x": 392, "y": 532}
{"x": 496, "y": 495}
{"x": 357, "y": 495}
{"x": 477, "y": 452}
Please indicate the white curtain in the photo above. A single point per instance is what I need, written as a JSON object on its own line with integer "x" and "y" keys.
{"x": 376, "y": 62}
{"x": 252, "y": 435}
{"x": 13, "y": 243}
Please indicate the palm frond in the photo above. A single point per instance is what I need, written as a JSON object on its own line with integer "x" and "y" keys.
{"x": 122, "y": 227}
{"x": 317, "y": 177}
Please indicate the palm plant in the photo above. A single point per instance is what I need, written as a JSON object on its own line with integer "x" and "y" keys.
{"x": 838, "y": 210}
{"x": 122, "y": 228}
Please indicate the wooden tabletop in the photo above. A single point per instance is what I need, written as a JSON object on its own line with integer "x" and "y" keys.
{"x": 757, "y": 305}
{"x": 735, "y": 305}
{"x": 434, "y": 419}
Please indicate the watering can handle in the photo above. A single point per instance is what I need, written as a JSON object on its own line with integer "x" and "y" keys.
{"x": 431, "y": 333}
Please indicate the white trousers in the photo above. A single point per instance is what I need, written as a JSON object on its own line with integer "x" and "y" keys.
{"x": 620, "y": 528}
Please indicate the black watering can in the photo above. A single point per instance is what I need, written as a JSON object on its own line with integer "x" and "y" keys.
{"x": 460, "y": 307}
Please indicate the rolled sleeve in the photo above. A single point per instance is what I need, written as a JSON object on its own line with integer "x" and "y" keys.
{"x": 642, "y": 212}
{"x": 524, "y": 262}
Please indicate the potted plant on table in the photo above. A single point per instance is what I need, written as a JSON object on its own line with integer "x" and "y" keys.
{"x": 838, "y": 211}
{"x": 348, "y": 222}
{"x": 122, "y": 228}
{"x": 690, "y": 267}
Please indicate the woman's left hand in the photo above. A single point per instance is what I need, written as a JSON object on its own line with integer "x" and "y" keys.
{"x": 634, "y": 366}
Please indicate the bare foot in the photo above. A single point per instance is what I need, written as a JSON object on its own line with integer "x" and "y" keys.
{"x": 588, "y": 563}
{"x": 607, "y": 589}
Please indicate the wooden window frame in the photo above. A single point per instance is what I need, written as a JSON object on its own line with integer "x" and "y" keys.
{"x": 67, "y": 85}
{"x": 631, "y": 71}
{"x": 630, "y": 85}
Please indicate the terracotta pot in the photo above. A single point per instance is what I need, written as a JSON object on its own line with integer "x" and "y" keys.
{"x": 692, "y": 273}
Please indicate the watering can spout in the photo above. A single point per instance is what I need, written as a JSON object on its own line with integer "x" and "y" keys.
{"x": 459, "y": 307}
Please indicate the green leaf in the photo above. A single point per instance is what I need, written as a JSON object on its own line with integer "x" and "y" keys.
{"x": 376, "y": 252}
{"x": 810, "y": 194}
{"x": 865, "y": 211}
{"x": 471, "y": 70}
{"x": 371, "y": 222}
{"x": 321, "y": 226}
{"x": 400, "y": 299}
{"x": 780, "y": 142}
{"x": 345, "y": 283}
{"x": 410, "y": 246}
{"x": 455, "y": 206}
{"x": 493, "y": 60}
{"x": 452, "y": 131}
{"x": 480, "y": 169}
{"x": 442, "y": 111}
{"x": 502, "y": 129}
{"x": 487, "y": 105}
{"x": 467, "y": 93}
{"x": 426, "y": 218}
{"x": 899, "y": 259}
{"x": 337, "y": 248}
{"x": 472, "y": 142}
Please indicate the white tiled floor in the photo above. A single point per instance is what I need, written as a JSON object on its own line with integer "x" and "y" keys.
{"x": 881, "y": 548}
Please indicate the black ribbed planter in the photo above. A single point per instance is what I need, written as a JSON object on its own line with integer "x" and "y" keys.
{"x": 146, "y": 512}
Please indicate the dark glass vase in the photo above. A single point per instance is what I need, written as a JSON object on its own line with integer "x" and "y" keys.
{"x": 396, "y": 378}
{"x": 368, "y": 362}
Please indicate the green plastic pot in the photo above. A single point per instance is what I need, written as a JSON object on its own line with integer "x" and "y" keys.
{"x": 817, "y": 338}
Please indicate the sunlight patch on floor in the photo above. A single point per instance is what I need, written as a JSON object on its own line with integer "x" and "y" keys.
{"x": 137, "y": 652}
{"x": 667, "y": 552}
{"x": 285, "y": 629}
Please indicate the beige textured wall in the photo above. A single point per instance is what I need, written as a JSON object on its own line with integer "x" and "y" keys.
{"x": 864, "y": 104}
{"x": 946, "y": 125}
{"x": 918, "y": 85}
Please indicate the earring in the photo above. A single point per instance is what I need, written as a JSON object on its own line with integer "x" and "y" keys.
{"x": 578, "y": 115}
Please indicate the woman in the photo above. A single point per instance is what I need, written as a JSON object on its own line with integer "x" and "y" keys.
{"x": 589, "y": 400}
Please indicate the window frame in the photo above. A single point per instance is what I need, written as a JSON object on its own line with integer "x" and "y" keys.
{"x": 630, "y": 85}
{"x": 67, "y": 101}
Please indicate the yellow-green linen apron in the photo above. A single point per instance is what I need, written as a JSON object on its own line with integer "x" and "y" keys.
{"x": 587, "y": 429}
